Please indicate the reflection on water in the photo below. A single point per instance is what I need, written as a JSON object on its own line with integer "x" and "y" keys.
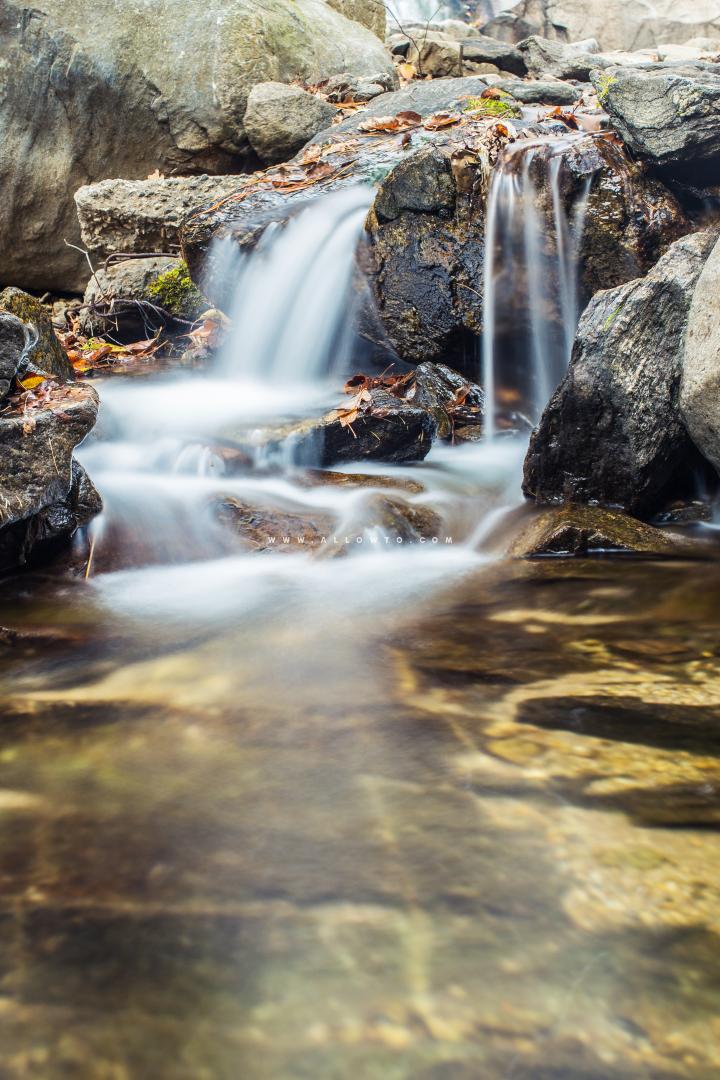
{"x": 468, "y": 829}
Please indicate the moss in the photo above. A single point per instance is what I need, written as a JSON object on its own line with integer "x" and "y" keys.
{"x": 603, "y": 86}
{"x": 491, "y": 107}
{"x": 175, "y": 292}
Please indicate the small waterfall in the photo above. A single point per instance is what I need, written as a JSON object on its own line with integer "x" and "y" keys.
{"x": 291, "y": 316}
{"x": 530, "y": 278}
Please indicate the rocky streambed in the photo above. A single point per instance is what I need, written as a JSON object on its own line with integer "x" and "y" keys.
{"x": 358, "y": 532}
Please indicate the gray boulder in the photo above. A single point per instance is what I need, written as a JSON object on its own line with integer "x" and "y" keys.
{"x": 486, "y": 50}
{"x": 280, "y": 119}
{"x": 669, "y": 114}
{"x": 612, "y": 433}
{"x": 143, "y": 216}
{"x": 93, "y": 89}
{"x": 700, "y": 387}
{"x": 436, "y": 55}
{"x": 538, "y": 92}
{"x": 347, "y": 87}
{"x": 544, "y": 58}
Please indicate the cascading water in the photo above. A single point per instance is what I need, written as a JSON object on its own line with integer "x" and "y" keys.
{"x": 530, "y": 278}
{"x": 292, "y": 316}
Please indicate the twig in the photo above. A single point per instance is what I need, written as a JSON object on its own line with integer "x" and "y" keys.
{"x": 90, "y": 558}
{"x": 89, "y": 262}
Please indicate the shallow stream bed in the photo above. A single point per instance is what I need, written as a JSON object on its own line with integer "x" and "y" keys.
{"x": 397, "y": 822}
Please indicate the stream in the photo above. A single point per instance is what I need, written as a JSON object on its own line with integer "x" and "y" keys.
{"x": 415, "y": 811}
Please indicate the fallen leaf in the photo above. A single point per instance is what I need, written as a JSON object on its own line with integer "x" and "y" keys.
{"x": 407, "y": 71}
{"x": 31, "y": 381}
{"x": 441, "y": 120}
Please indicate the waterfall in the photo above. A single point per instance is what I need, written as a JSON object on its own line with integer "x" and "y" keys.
{"x": 291, "y": 314}
{"x": 531, "y": 302}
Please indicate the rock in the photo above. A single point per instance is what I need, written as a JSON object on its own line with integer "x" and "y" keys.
{"x": 348, "y": 87}
{"x": 159, "y": 102}
{"x": 134, "y": 298}
{"x": 582, "y": 530}
{"x": 369, "y": 13}
{"x": 143, "y": 216}
{"x": 535, "y": 91}
{"x": 486, "y": 50}
{"x": 668, "y": 114}
{"x": 700, "y": 386}
{"x": 618, "y": 24}
{"x": 436, "y": 55}
{"x": 14, "y": 341}
{"x": 266, "y": 528}
{"x": 545, "y": 58}
{"x": 612, "y": 433}
{"x": 510, "y": 28}
{"x": 43, "y": 493}
{"x": 326, "y": 478}
{"x": 45, "y": 353}
{"x": 452, "y": 401}
{"x": 280, "y": 119}
{"x": 390, "y": 430}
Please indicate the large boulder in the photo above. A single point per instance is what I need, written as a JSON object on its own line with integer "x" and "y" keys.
{"x": 280, "y": 119}
{"x": 622, "y": 24}
{"x": 92, "y": 89}
{"x": 669, "y": 114}
{"x": 700, "y": 387}
{"x": 554, "y": 59}
{"x": 612, "y": 433}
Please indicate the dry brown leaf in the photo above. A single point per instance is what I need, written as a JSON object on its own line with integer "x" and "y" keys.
{"x": 441, "y": 120}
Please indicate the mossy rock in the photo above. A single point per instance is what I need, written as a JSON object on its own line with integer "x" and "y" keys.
{"x": 47, "y": 354}
{"x": 175, "y": 291}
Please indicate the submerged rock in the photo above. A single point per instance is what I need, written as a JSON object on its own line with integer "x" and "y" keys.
{"x": 280, "y": 119}
{"x": 612, "y": 432}
{"x": 134, "y": 298}
{"x": 582, "y": 530}
{"x": 667, "y": 114}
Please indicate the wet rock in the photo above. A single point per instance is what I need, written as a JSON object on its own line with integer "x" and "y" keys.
{"x": 452, "y": 401}
{"x": 426, "y": 233}
{"x": 43, "y": 495}
{"x": 389, "y": 430}
{"x": 271, "y": 529}
{"x": 144, "y": 216}
{"x": 487, "y": 50}
{"x": 612, "y": 432}
{"x": 631, "y": 217}
{"x": 395, "y": 518}
{"x": 667, "y": 114}
{"x": 700, "y": 387}
{"x": 45, "y": 353}
{"x": 280, "y": 119}
{"x": 545, "y": 58}
{"x": 160, "y": 103}
{"x": 14, "y": 341}
{"x": 327, "y": 478}
{"x": 134, "y": 298}
{"x": 582, "y": 530}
